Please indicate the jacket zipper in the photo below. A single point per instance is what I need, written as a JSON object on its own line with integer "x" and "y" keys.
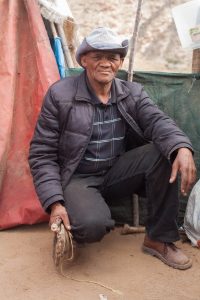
{"x": 83, "y": 150}
{"x": 130, "y": 122}
{"x": 89, "y": 137}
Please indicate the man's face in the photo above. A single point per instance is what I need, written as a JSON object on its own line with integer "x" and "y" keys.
{"x": 101, "y": 66}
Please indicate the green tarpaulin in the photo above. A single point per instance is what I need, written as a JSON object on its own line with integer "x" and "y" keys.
{"x": 178, "y": 95}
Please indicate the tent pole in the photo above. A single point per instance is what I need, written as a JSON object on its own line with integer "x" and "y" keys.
{"x": 133, "y": 40}
{"x": 66, "y": 51}
{"x": 53, "y": 29}
{"x": 135, "y": 198}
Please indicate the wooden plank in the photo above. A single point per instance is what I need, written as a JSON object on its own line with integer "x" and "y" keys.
{"x": 196, "y": 61}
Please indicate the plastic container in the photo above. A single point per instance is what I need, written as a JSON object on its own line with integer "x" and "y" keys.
{"x": 187, "y": 20}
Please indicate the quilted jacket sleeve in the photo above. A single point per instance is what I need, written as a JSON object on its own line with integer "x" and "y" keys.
{"x": 160, "y": 128}
{"x": 43, "y": 156}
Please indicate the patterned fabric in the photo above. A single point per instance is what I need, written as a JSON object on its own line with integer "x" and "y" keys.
{"x": 108, "y": 134}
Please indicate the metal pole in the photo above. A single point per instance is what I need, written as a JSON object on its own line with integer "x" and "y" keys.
{"x": 133, "y": 40}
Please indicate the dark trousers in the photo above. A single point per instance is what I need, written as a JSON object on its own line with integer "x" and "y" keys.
{"x": 142, "y": 170}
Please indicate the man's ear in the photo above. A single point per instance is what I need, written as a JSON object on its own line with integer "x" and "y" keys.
{"x": 122, "y": 60}
{"x": 83, "y": 61}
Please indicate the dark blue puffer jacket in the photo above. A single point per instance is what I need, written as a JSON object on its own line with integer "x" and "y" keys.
{"x": 64, "y": 129}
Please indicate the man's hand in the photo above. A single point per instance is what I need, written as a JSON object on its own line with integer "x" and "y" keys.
{"x": 184, "y": 164}
{"x": 59, "y": 211}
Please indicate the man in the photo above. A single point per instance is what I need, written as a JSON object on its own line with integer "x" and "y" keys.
{"x": 100, "y": 138}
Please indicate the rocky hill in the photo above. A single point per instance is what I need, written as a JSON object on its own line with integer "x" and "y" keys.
{"x": 158, "y": 45}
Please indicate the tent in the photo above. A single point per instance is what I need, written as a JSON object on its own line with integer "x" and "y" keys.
{"x": 28, "y": 68}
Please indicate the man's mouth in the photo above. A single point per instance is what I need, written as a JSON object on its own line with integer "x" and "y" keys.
{"x": 105, "y": 72}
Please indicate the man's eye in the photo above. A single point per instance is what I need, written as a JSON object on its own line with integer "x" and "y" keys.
{"x": 113, "y": 58}
{"x": 96, "y": 57}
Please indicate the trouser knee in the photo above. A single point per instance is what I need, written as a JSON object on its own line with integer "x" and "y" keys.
{"x": 92, "y": 230}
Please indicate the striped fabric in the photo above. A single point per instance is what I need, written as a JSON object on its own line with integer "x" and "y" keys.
{"x": 107, "y": 141}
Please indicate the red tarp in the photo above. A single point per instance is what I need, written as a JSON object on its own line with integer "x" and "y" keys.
{"x": 27, "y": 67}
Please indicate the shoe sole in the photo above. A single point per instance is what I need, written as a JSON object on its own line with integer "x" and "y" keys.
{"x": 173, "y": 265}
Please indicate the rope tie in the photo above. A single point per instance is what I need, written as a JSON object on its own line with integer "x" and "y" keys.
{"x": 63, "y": 251}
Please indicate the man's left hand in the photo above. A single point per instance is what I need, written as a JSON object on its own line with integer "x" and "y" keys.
{"x": 184, "y": 164}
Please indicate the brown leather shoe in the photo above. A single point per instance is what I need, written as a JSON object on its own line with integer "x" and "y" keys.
{"x": 168, "y": 253}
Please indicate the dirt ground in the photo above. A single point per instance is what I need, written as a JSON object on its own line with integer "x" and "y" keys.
{"x": 27, "y": 271}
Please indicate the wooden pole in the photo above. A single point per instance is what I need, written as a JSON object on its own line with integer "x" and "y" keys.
{"x": 67, "y": 54}
{"x": 133, "y": 40}
{"x": 196, "y": 61}
{"x": 130, "y": 78}
{"x": 136, "y": 210}
{"x": 53, "y": 29}
{"x": 71, "y": 34}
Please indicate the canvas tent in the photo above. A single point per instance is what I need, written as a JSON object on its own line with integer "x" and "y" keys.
{"x": 28, "y": 68}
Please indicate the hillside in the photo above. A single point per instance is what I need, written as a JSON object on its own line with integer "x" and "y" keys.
{"x": 158, "y": 46}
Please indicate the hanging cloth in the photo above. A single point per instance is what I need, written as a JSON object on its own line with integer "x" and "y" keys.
{"x": 59, "y": 55}
{"x": 28, "y": 68}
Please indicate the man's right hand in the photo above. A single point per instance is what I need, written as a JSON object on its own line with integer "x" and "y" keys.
{"x": 59, "y": 211}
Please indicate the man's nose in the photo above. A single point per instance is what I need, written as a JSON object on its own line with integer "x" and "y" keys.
{"x": 105, "y": 61}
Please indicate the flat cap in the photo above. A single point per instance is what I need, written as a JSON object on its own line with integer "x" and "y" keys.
{"x": 102, "y": 38}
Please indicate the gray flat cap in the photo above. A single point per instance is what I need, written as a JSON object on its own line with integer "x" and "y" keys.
{"x": 102, "y": 38}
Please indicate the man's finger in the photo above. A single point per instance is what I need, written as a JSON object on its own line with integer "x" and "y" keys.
{"x": 59, "y": 211}
{"x": 190, "y": 178}
{"x": 184, "y": 183}
{"x": 66, "y": 221}
{"x": 173, "y": 173}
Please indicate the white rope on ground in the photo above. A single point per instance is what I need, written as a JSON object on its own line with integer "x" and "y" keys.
{"x": 90, "y": 282}
{"x": 64, "y": 252}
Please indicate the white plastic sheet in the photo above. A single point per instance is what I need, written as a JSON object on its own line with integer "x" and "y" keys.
{"x": 192, "y": 216}
{"x": 187, "y": 20}
{"x": 55, "y": 10}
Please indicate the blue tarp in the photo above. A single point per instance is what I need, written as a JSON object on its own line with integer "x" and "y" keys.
{"x": 59, "y": 55}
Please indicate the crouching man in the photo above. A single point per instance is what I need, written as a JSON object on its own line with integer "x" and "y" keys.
{"x": 100, "y": 138}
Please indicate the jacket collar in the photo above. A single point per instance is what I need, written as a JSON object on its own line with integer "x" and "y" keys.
{"x": 82, "y": 93}
{"x": 121, "y": 90}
